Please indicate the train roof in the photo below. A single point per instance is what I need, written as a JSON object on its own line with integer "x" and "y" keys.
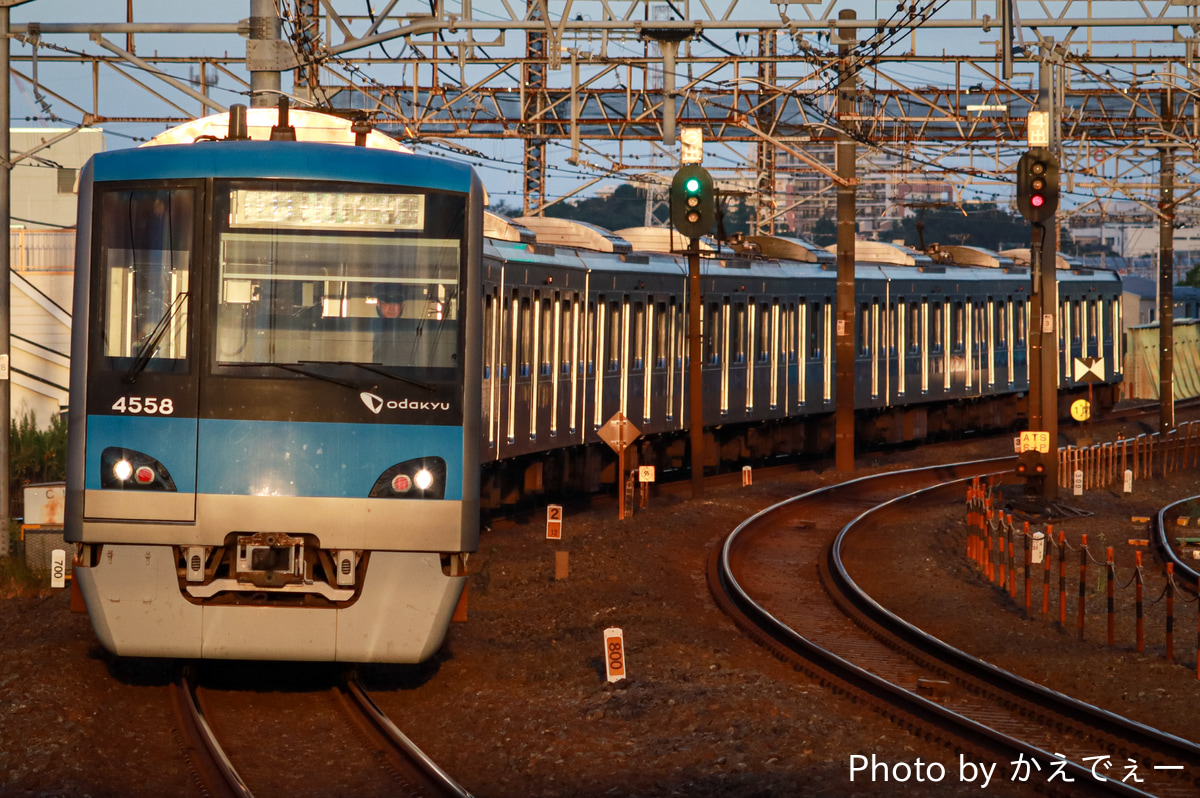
{"x": 572, "y": 233}
{"x": 310, "y": 126}
{"x": 282, "y": 160}
{"x": 883, "y": 252}
{"x": 971, "y": 256}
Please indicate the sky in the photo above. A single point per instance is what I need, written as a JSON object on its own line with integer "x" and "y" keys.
{"x": 500, "y": 162}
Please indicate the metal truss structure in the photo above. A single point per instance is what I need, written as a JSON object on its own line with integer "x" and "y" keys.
{"x": 942, "y": 86}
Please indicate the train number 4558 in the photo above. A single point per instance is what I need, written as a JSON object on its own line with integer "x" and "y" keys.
{"x": 145, "y": 404}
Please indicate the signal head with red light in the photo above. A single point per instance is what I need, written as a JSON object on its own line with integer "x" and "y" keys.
{"x": 1037, "y": 185}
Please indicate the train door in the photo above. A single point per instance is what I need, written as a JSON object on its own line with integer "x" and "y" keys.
{"x": 143, "y": 393}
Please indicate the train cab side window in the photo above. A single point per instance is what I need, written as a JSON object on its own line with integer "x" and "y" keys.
{"x": 145, "y": 249}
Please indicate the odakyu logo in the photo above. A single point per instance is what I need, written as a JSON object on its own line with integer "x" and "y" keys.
{"x": 376, "y": 404}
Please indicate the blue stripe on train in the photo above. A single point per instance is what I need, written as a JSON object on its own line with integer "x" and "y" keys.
{"x": 276, "y": 458}
{"x": 309, "y": 161}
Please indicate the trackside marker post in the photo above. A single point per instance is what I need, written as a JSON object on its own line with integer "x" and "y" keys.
{"x": 1128, "y": 480}
{"x": 58, "y": 568}
{"x": 614, "y": 653}
{"x": 747, "y": 476}
{"x": 554, "y": 517}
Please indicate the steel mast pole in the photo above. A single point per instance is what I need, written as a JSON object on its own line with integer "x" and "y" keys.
{"x": 1166, "y": 276}
{"x": 5, "y": 281}
{"x": 846, "y": 171}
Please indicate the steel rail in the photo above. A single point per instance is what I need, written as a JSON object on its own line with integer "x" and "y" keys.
{"x": 786, "y": 641}
{"x": 432, "y": 780}
{"x": 1188, "y": 574}
{"x": 1088, "y": 715}
{"x": 210, "y": 764}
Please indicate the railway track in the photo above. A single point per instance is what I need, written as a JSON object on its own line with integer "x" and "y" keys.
{"x": 1187, "y": 572}
{"x": 411, "y": 772}
{"x": 780, "y": 576}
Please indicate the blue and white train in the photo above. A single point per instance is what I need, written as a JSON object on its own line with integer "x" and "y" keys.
{"x": 273, "y": 448}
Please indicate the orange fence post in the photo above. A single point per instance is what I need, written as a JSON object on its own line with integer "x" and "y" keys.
{"x": 1083, "y": 558}
{"x": 1049, "y": 550}
{"x": 1012, "y": 562}
{"x": 1112, "y": 577}
{"x": 1028, "y": 562}
{"x": 1137, "y": 578}
{"x": 1062, "y": 578}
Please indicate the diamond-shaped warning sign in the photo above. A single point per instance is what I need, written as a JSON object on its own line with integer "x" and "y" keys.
{"x": 619, "y": 432}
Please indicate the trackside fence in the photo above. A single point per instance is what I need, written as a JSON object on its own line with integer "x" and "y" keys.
{"x": 1044, "y": 563}
{"x": 1144, "y": 456}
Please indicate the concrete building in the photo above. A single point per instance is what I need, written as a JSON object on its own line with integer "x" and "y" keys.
{"x": 42, "y": 256}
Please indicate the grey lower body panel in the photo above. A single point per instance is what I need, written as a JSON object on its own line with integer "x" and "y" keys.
{"x": 137, "y": 609}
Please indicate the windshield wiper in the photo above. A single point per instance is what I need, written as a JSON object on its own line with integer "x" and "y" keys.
{"x": 371, "y": 367}
{"x": 295, "y": 370}
{"x": 155, "y": 337}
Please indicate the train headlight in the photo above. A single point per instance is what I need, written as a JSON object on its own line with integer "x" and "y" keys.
{"x": 421, "y": 478}
{"x": 126, "y": 469}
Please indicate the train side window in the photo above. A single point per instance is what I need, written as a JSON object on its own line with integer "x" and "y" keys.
{"x": 738, "y": 333}
{"x": 863, "y": 329}
{"x": 569, "y": 337}
{"x": 525, "y": 338}
{"x": 764, "y": 336}
{"x": 1076, "y": 332}
{"x": 145, "y": 248}
{"x": 935, "y": 334}
{"x": 546, "y": 355}
{"x": 489, "y": 335}
{"x": 789, "y": 331}
{"x": 1019, "y": 322}
{"x": 957, "y": 326}
{"x": 660, "y": 334}
{"x": 1001, "y": 336}
{"x": 712, "y": 327}
{"x": 590, "y": 347}
{"x": 1093, "y": 320}
{"x": 612, "y": 345}
{"x": 509, "y": 350}
{"x": 639, "y": 334}
{"x": 815, "y": 318}
{"x": 914, "y": 327}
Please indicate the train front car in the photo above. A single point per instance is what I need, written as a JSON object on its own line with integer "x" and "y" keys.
{"x": 274, "y": 413}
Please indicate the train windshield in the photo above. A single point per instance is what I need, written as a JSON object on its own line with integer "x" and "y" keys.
{"x": 145, "y": 251}
{"x": 328, "y": 276}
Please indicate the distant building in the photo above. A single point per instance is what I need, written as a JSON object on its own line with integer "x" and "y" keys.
{"x": 42, "y": 256}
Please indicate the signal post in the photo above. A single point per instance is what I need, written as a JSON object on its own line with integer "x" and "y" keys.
{"x": 693, "y": 211}
{"x": 1037, "y": 200}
